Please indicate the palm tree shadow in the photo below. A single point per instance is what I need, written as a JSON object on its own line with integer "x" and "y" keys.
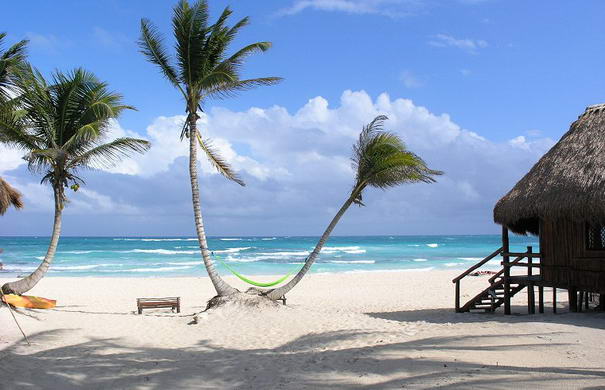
{"x": 301, "y": 363}
{"x": 594, "y": 319}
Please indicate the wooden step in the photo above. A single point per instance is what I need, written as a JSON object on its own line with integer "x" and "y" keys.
{"x": 492, "y": 297}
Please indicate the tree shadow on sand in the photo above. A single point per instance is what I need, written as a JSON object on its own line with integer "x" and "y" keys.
{"x": 306, "y": 362}
{"x": 589, "y": 319}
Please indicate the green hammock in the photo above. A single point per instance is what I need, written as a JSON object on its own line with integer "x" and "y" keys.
{"x": 252, "y": 282}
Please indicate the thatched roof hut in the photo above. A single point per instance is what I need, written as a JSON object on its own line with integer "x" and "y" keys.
{"x": 567, "y": 183}
{"x": 9, "y": 197}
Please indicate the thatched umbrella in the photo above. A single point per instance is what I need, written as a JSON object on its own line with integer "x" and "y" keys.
{"x": 9, "y": 197}
{"x": 568, "y": 182}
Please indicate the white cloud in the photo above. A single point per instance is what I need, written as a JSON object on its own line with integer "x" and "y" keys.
{"x": 468, "y": 45}
{"x": 383, "y": 7}
{"x": 297, "y": 168}
{"x": 92, "y": 202}
{"x": 10, "y": 158}
{"x": 410, "y": 80}
{"x": 166, "y": 148}
{"x": 112, "y": 40}
{"x": 49, "y": 42}
{"x": 391, "y": 8}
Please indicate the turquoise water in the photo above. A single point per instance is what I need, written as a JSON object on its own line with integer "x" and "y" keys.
{"x": 179, "y": 256}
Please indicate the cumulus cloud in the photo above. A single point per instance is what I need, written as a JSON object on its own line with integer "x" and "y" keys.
{"x": 10, "y": 158}
{"x": 297, "y": 169}
{"x": 468, "y": 45}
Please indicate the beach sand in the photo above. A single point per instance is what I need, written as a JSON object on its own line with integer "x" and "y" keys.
{"x": 352, "y": 330}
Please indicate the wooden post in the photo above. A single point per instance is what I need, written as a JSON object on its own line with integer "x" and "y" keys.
{"x": 586, "y": 300}
{"x": 541, "y": 299}
{"x": 573, "y": 299}
{"x": 505, "y": 261}
{"x": 579, "y": 303}
{"x": 457, "y": 296}
{"x": 531, "y": 300}
{"x": 554, "y": 300}
{"x": 601, "y": 302}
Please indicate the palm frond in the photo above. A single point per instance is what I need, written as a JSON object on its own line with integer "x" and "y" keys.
{"x": 61, "y": 125}
{"x": 219, "y": 162}
{"x": 108, "y": 154}
{"x": 381, "y": 160}
{"x": 189, "y": 24}
{"x": 228, "y": 89}
{"x": 151, "y": 46}
{"x": 11, "y": 61}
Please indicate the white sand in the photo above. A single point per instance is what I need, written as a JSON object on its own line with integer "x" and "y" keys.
{"x": 356, "y": 330}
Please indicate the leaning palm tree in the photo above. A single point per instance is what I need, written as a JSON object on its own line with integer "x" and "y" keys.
{"x": 9, "y": 197}
{"x": 62, "y": 127}
{"x": 381, "y": 160}
{"x": 11, "y": 60}
{"x": 202, "y": 70}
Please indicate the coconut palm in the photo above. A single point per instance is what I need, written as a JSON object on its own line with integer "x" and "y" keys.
{"x": 9, "y": 197}
{"x": 10, "y": 61}
{"x": 381, "y": 160}
{"x": 202, "y": 69}
{"x": 62, "y": 126}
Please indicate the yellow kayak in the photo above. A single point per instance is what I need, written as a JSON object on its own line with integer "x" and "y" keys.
{"x": 29, "y": 301}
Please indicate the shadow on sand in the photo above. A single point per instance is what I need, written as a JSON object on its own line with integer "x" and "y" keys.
{"x": 589, "y": 319}
{"x": 302, "y": 363}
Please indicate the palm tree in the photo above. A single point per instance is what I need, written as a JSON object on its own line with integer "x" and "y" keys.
{"x": 202, "y": 70}
{"x": 381, "y": 160}
{"x": 62, "y": 126}
{"x": 10, "y": 61}
{"x": 9, "y": 197}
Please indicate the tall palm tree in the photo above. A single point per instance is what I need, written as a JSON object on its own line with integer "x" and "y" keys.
{"x": 201, "y": 70}
{"x": 381, "y": 160}
{"x": 11, "y": 60}
{"x": 62, "y": 127}
{"x": 9, "y": 197}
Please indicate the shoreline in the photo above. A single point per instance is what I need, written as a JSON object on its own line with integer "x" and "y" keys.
{"x": 6, "y": 275}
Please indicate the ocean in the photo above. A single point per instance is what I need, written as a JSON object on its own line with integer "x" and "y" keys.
{"x": 179, "y": 256}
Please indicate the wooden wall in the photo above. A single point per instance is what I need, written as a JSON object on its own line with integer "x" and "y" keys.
{"x": 565, "y": 260}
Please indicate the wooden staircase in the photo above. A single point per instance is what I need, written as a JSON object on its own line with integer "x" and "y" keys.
{"x": 502, "y": 285}
{"x": 491, "y": 298}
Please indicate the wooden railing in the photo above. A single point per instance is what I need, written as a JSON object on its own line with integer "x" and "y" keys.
{"x": 504, "y": 273}
{"x": 468, "y": 271}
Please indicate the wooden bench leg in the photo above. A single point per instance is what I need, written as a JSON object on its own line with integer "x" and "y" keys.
{"x": 140, "y": 310}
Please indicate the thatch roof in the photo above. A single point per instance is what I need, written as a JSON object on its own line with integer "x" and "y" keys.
{"x": 9, "y": 197}
{"x": 568, "y": 182}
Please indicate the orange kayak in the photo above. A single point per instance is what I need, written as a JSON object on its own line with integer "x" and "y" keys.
{"x": 29, "y": 301}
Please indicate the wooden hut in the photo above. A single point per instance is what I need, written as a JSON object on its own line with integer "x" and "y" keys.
{"x": 9, "y": 197}
{"x": 562, "y": 201}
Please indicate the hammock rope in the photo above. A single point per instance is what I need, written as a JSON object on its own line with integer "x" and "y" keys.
{"x": 252, "y": 282}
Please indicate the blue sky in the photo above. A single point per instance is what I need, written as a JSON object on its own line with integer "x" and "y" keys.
{"x": 481, "y": 88}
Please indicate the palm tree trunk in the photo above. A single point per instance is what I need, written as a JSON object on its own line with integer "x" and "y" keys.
{"x": 281, "y": 291}
{"x": 221, "y": 287}
{"x": 24, "y": 285}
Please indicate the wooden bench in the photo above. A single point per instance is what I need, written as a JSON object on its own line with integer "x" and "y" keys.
{"x": 154, "y": 303}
